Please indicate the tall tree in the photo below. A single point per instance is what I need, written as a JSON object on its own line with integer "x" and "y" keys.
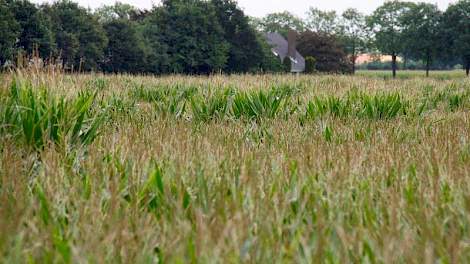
{"x": 326, "y": 50}
{"x": 193, "y": 37}
{"x": 35, "y": 32}
{"x": 119, "y": 10}
{"x": 80, "y": 37}
{"x": 245, "y": 51}
{"x": 9, "y": 32}
{"x": 125, "y": 51}
{"x": 322, "y": 21}
{"x": 456, "y": 29}
{"x": 387, "y": 24}
{"x": 155, "y": 46}
{"x": 353, "y": 33}
{"x": 282, "y": 23}
{"x": 421, "y": 32}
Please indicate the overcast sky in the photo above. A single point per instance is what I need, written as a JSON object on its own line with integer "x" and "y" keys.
{"x": 260, "y": 8}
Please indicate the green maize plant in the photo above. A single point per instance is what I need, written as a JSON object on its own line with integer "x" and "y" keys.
{"x": 215, "y": 106}
{"x": 378, "y": 107}
{"x": 258, "y": 104}
{"x": 382, "y": 106}
{"x": 37, "y": 118}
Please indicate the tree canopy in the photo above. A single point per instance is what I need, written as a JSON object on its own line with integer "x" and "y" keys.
{"x": 244, "y": 48}
{"x": 421, "y": 32}
{"x": 9, "y": 30}
{"x": 387, "y": 23}
{"x": 322, "y": 21}
{"x": 80, "y": 38}
{"x": 327, "y": 51}
{"x": 353, "y": 34}
{"x": 456, "y": 30}
{"x": 209, "y": 36}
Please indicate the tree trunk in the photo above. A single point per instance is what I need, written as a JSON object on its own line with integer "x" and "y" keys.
{"x": 467, "y": 68}
{"x": 394, "y": 65}
{"x": 354, "y": 64}
{"x": 354, "y": 59}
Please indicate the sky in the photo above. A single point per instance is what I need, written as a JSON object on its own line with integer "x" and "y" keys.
{"x": 259, "y": 8}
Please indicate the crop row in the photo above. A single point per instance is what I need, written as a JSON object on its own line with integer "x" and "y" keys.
{"x": 37, "y": 117}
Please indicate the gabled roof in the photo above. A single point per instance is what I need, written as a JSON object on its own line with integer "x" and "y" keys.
{"x": 281, "y": 47}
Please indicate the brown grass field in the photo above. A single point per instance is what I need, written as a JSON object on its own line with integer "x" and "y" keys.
{"x": 234, "y": 169}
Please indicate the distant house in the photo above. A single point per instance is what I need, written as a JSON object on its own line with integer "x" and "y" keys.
{"x": 283, "y": 48}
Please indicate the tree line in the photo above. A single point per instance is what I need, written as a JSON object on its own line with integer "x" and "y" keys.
{"x": 412, "y": 31}
{"x": 207, "y": 36}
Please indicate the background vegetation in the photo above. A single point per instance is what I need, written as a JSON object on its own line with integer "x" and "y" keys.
{"x": 211, "y": 36}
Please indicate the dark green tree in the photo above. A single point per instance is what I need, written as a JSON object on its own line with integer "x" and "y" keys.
{"x": 456, "y": 31}
{"x": 327, "y": 51}
{"x": 35, "y": 33}
{"x": 124, "y": 52}
{"x": 421, "y": 33}
{"x": 80, "y": 37}
{"x": 9, "y": 32}
{"x": 287, "y": 64}
{"x": 245, "y": 51}
{"x": 387, "y": 24}
{"x": 189, "y": 33}
{"x": 281, "y": 23}
{"x": 125, "y": 49}
{"x": 310, "y": 64}
{"x": 117, "y": 11}
{"x": 155, "y": 47}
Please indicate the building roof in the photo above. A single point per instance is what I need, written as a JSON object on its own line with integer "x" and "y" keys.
{"x": 280, "y": 47}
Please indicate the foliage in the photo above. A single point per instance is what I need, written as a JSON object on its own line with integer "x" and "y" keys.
{"x": 215, "y": 106}
{"x": 380, "y": 106}
{"x": 245, "y": 49}
{"x": 310, "y": 64}
{"x": 387, "y": 23}
{"x": 354, "y": 34}
{"x": 325, "y": 22}
{"x": 193, "y": 36}
{"x": 204, "y": 37}
{"x": 79, "y": 36}
{"x": 38, "y": 118}
{"x": 125, "y": 51}
{"x": 281, "y": 23}
{"x": 258, "y": 104}
{"x": 456, "y": 31}
{"x": 327, "y": 51}
{"x": 35, "y": 34}
{"x": 9, "y": 30}
{"x": 119, "y": 10}
{"x": 287, "y": 64}
{"x": 422, "y": 33}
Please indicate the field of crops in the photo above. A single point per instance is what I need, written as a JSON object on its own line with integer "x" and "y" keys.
{"x": 234, "y": 169}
